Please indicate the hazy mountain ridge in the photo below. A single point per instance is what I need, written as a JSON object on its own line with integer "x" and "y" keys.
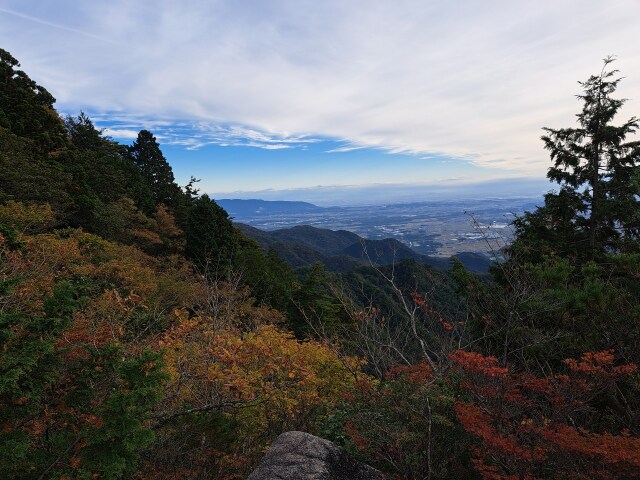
{"x": 296, "y": 252}
{"x": 341, "y": 250}
{"x": 255, "y": 206}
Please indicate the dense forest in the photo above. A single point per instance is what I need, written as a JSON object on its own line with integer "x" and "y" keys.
{"x": 143, "y": 336}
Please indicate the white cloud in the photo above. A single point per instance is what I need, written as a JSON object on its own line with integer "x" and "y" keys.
{"x": 120, "y": 133}
{"x": 468, "y": 79}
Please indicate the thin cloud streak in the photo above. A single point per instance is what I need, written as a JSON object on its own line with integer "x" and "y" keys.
{"x": 54, "y": 25}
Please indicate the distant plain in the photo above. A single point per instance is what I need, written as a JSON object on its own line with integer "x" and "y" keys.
{"x": 436, "y": 228}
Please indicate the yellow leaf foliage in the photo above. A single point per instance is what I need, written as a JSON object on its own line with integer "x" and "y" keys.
{"x": 26, "y": 217}
{"x": 264, "y": 378}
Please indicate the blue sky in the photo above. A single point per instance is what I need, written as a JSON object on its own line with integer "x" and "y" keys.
{"x": 287, "y": 96}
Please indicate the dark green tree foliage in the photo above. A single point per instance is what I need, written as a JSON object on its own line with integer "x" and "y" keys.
{"x": 211, "y": 238}
{"x": 83, "y": 134}
{"x": 82, "y": 174}
{"x": 281, "y": 281}
{"x": 367, "y": 286}
{"x": 314, "y": 303}
{"x": 102, "y": 174}
{"x": 190, "y": 189}
{"x": 271, "y": 280}
{"x": 404, "y": 425}
{"x": 567, "y": 277}
{"x": 147, "y": 156}
{"x": 30, "y": 130}
{"x": 538, "y": 314}
{"x": 597, "y": 209}
{"x": 26, "y": 108}
{"x": 30, "y": 176}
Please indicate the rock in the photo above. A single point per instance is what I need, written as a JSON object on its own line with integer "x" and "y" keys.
{"x": 301, "y": 456}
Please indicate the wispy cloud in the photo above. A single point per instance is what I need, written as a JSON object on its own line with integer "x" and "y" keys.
{"x": 241, "y": 136}
{"x": 346, "y": 148}
{"x": 58, "y": 26}
{"x": 194, "y": 136}
{"x": 470, "y": 80}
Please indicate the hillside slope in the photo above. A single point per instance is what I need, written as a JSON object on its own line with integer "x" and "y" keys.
{"x": 342, "y": 250}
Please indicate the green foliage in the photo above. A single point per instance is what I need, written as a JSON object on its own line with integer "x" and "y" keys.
{"x": 211, "y": 238}
{"x": 314, "y": 303}
{"x": 26, "y": 108}
{"x": 84, "y": 320}
{"x": 544, "y": 312}
{"x": 28, "y": 175}
{"x": 271, "y": 280}
{"x": 113, "y": 449}
{"x": 71, "y": 165}
{"x": 367, "y": 285}
{"x": 145, "y": 153}
{"x": 94, "y": 332}
{"x": 597, "y": 209}
{"x": 72, "y": 402}
{"x": 28, "y": 365}
{"x": 569, "y": 288}
{"x": 102, "y": 174}
{"x": 566, "y": 287}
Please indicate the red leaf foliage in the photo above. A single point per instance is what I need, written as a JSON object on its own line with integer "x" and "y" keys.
{"x": 537, "y": 428}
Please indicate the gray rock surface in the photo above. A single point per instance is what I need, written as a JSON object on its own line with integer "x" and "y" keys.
{"x": 301, "y": 456}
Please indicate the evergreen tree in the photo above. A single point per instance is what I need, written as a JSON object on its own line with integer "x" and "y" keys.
{"x": 597, "y": 209}
{"x": 103, "y": 173}
{"x": 29, "y": 176}
{"x": 26, "y": 108}
{"x": 147, "y": 156}
{"x": 570, "y": 284}
{"x": 82, "y": 133}
{"x": 211, "y": 238}
{"x": 270, "y": 279}
{"x": 314, "y": 302}
{"x": 190, "y": 189}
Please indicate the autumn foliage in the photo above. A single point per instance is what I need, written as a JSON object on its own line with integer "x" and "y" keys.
{"x": 257, "y": 378}
{"x": 108, "y": 353}
{"x": 535, "y": 427}
{"x": 406, "y": 425}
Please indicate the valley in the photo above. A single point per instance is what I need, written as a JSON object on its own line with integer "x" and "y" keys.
{"x": 435, "y": 228}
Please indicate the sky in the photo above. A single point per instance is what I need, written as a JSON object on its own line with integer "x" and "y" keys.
{"x": 298, "y": 99}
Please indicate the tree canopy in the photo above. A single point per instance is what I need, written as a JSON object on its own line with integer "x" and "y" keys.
{"x": 26, "y": 108}
{"x": 147, "y": 156}
{"x": 597, "y": 208}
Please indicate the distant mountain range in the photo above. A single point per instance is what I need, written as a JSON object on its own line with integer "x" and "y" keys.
{"x": 243, "y": 208}
{"x": 393, "y": 193}
{"x": 341, "y": 251}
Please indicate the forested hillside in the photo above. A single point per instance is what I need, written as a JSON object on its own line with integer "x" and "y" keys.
{"x": 341, "y": 250}
{"x": 143, "y": 336}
